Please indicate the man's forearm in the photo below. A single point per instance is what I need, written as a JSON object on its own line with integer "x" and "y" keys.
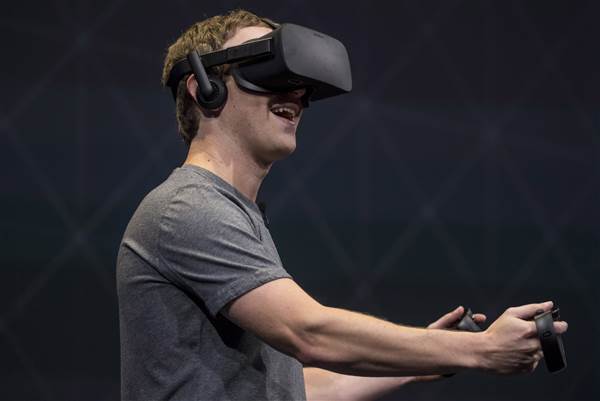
{"x": 356, "y": 344}
{"x": 324, "y": 385}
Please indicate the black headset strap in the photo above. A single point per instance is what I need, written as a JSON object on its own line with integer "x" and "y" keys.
{"x": 254, "y": 48}
{"x": 270, "y": 22}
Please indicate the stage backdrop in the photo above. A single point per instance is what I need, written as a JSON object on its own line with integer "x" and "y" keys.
{"x": 462, "y": 170}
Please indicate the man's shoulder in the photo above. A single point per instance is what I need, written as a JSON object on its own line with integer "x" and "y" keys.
{"x": 180, "y": 192}
{"x": 190, "y": 205}
{"x": 189, "y": 199}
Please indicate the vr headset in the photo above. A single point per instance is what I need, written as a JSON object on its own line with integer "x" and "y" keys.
{"x": 288, "y": 58}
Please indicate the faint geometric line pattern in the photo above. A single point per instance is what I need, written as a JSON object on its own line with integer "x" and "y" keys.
{"x": 83, "y": 40}
{"x": 85, "y": 37}
{"x": 343, "y": 128}
{"x": 34, "y": 374}
{"x": 51, "y": 196}
{"x": 551, "y": 234}
{"x": 429, "y": 206}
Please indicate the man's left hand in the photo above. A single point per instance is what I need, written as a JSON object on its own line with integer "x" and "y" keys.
{"x": 448, "y": 321}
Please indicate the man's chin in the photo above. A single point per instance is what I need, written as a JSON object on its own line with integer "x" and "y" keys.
{"x": 281, "y": 152}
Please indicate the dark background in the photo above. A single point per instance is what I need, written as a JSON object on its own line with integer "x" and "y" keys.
{"x": 462, "y": 170}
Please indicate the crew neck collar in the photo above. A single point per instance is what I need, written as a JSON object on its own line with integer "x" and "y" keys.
{"x": 221, "y": 182}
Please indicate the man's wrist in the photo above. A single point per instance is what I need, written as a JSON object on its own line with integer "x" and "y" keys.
{"x": 475, "y": 350}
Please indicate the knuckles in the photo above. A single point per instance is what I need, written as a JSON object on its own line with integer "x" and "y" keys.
{"x": 531, "y": 330}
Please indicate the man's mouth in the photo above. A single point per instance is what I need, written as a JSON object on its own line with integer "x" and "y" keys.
{"x": 288, "y": 111}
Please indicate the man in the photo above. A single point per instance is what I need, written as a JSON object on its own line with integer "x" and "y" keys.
{"x": 208, "y": 312}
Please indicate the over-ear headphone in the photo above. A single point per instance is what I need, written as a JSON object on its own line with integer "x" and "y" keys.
{"x": 211, "y": 92}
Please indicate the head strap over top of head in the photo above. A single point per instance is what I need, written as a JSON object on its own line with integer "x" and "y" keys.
{"x": 230, "y": 55}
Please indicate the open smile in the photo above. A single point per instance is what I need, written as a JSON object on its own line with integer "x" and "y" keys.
{"x": 288, "y": 112}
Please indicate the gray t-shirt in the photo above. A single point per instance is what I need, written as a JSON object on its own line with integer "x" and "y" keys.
{"x": 194, "y": 244}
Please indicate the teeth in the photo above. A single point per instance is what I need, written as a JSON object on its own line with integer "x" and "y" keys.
{"x": 281, "y": 110}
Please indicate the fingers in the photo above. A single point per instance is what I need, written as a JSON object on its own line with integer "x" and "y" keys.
{"x": 479, "y": 318}
{"x": 530, "y": 329}
{"x": 456, "y": 313}
{"x": 448, "y": 320}
{"x": 532, "y": 346}
{"x": 451, "y": 318}
{"x": 537, "y": 357}
{"x": 529, "y": 311}
{"x": 560, "y": 326}
{"x": 535, "y": 364}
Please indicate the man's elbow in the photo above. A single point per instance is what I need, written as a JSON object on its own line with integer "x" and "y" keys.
{"x": 309, "y": 339}
{"x": 285, "y": 317}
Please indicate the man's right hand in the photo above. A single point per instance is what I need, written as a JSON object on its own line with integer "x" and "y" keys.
{"x": 511, "y": 342}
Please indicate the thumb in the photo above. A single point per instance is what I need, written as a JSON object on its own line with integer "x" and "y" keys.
{"x": 529, "y": 311}
{"x": 448, "y": 319}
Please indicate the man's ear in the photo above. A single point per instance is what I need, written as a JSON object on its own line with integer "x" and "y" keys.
{"x": 192, "y": 86}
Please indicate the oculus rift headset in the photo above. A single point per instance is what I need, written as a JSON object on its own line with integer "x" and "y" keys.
{"x": 288, "y": 58}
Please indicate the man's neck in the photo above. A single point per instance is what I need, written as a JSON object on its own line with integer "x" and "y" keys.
{"x": 230, "y": 163}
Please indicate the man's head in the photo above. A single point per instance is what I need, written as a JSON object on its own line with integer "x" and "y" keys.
{"x": 248, "y": 116}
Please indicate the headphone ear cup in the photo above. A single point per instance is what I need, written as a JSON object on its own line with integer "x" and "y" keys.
{"x": 217, "y": 98}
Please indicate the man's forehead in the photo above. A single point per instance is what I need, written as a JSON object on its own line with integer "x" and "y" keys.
{"x": 245, "y": 34}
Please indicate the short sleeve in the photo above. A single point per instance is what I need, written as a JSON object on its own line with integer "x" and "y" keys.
{"x": 209, "y": 246}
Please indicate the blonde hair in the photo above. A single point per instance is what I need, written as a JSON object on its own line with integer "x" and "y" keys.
{"x": 204, "y": 36}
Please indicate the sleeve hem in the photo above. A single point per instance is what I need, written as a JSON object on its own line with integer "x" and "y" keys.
{"x": 239, "y": 288}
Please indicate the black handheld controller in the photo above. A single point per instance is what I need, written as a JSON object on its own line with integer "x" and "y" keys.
{"x": 467, "y": 323}
{"x": 552, "y": 342}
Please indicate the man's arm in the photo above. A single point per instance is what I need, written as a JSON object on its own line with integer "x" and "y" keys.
{"x": 323, "y": 384}
{"x": 285, "y": 317}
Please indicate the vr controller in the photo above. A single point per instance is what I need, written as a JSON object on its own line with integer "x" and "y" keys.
{"x": 552, "y": 343}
